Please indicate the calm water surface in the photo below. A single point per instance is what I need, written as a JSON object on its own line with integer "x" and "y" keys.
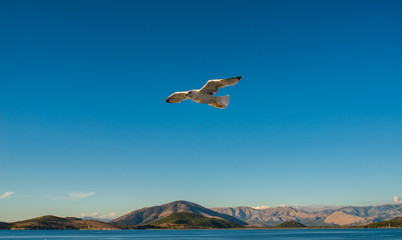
{"x": 322, "y": 234}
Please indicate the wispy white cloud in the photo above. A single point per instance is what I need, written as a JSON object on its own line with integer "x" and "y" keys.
{"x": 6, "y": 195}
{"x": 75, "y": 196}
{"x": 397, "y": 199}
{"x": 266, "y": 206}
{"x": 80, "y": 195}
{"x": 111, "y": 215}
{"x": 261, "y": 207}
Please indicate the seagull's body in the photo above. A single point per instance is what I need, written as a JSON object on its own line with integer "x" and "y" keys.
{"x": 206, "y": 93}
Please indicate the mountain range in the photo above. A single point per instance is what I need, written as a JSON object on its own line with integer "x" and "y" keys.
{"x": 227, "y": 216}
{"x": 340, "y": 216}
{"x": 315, "y": 216}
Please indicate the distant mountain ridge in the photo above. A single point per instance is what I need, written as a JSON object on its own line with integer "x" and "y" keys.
{"x": 328, "y": 216}
{"x": 273, "y": 216}
{"x": 150, "y": 214}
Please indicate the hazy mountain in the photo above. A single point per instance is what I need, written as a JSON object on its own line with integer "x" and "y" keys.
{"x": 366, "y": 214}
{"x": 53, "y": 222}
{"x": 247, "y": 214}
{"x": 317, "y": 208}
{"x": 186, "y": 220}
{"x": 149, "y": 214}
{"x": 376, "y": 213}
{"x": 272, "y": 216}
{"x": 326, "y": 216}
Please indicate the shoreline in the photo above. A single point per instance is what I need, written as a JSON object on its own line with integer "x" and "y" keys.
{"x": 154, "y": 229}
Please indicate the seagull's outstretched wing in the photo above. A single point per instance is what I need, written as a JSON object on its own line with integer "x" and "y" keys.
{"x": 212, "y": 86}
{"x": 176, "y": 97}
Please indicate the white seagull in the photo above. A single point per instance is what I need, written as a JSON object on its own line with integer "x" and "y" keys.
{"x": 206, "y": 93}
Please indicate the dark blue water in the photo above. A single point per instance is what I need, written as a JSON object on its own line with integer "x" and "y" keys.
{"x": 322, "y": 234}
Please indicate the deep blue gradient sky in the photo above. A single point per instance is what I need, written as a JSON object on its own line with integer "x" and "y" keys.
{"x": 315, "y": 120}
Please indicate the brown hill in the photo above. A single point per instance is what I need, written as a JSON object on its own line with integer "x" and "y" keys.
{"x": 341, "y": 218}
{"x": 149, "y": 214}
{"x": 53, "y": 222}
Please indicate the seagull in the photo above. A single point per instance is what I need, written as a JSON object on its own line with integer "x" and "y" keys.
{"x": 206, "y": 93}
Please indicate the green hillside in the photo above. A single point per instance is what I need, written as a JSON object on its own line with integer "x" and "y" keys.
{"x": 4, "y": 225}
{"x": 186, "y": 220}
{"x": 290, "y": 224}
{"x": 396, "y": 223}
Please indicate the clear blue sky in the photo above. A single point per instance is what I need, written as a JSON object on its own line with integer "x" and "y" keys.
{"x": 84, "y": 127}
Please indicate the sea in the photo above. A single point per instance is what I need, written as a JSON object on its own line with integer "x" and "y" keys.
{"x": 280, "y": 234}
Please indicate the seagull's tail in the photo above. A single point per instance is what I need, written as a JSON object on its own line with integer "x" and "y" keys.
{"x": 222, "y": 102}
